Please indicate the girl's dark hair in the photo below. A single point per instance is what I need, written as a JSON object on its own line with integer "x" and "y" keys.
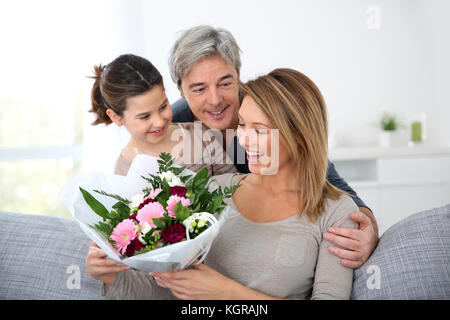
{"x": 127, "y": 76}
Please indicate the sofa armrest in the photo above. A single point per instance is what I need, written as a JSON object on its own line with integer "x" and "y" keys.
{"x": 411, "y": 261}
{"x": 43, "y": 257}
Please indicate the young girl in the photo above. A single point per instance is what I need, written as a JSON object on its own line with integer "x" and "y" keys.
{"x": 129, "y": 91}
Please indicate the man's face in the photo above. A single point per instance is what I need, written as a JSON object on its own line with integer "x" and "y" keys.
{"x": 212, "y": 92}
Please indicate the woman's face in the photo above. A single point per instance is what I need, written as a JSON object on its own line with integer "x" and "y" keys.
{"x": 266, "y": 152}
{"x": 147, "y": 116}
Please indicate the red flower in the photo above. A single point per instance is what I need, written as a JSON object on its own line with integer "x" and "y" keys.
{"x": 135, "y": 245}
{"x": 174, "y": 233}
{"x": 133, "y": 217}
{"x": 146, "y": 201}
{"x": 178, "y": 191}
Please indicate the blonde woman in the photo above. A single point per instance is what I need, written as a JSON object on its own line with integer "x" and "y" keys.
{"x": 273, "y": 247}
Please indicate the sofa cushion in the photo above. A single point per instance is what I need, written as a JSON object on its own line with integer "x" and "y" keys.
{"x": 411, "y": 261}
{"x": 43, "y": 257}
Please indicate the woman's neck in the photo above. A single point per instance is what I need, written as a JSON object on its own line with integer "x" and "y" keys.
{"x": 285, "y": 180}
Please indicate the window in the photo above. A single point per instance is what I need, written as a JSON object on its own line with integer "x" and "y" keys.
{"x": 48, "y": 50}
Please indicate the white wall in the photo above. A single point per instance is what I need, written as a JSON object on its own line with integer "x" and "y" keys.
{"x": 437, "y": 24}
{"x": 399, "y": 67}
{"x": 402, "y": 66}
{"x": 48, "y": 47}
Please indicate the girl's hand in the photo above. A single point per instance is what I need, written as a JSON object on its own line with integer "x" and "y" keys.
{"x": 200, "y": 283}
{"x": 101, "y": 268}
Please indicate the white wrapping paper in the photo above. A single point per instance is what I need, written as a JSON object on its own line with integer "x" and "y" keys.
{"x": 174, "y": 257}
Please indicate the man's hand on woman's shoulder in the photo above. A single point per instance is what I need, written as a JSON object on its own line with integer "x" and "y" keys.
{"x": 357, "y": 244}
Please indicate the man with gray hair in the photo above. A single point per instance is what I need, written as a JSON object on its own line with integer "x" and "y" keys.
{"x": 205, "y": 65}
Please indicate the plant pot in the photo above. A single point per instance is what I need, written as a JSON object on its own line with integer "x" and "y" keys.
{"x": 385, "y": 138}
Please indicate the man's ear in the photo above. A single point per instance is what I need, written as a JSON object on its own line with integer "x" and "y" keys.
{"x": 114, "y": 117}
{"x": 181, "y": 90}
{"x": 181, "y": 93}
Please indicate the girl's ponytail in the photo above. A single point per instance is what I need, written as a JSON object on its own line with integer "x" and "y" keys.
{"x": 99, "y": 106}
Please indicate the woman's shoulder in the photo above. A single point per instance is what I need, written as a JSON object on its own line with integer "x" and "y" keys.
{"x": 228, "y": 179}
{"x": 188, "y": 126}
{"x": 337, "y": 212}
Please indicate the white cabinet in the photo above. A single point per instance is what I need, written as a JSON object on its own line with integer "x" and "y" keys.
{"x": 399, "y": 201}
{"x": 396, "y": 182}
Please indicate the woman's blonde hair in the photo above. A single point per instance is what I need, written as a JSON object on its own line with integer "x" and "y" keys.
{"x": 295, "y": 106}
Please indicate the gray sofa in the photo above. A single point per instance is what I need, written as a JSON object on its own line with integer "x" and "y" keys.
{"x": 44, "y": 258}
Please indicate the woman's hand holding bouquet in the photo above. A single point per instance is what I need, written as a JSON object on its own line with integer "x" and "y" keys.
{"x": 173, "y": 209}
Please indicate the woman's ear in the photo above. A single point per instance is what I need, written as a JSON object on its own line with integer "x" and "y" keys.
{"x": 114, "y": 117}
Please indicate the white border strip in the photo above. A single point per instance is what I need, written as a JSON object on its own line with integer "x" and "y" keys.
{"x": 54, "y": 152}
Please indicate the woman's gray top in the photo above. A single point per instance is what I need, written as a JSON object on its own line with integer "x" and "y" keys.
{"x": 286, "y": 259}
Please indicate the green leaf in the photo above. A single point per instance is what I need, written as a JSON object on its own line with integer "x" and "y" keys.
{"x": 201, "y": 178}
{"x": 181, "y": 212}
{"x": 185, "y": 178}
{"x": 122, "y": 209}
{"x": 113, "y": 216}
{"x": 192, "y": 198}
{"x": 154, "y": 180}
{"x": 229, "y": 190}
{"x": 197, "y": 208}
{"x": 160, "y": 224}
{"x": 104, "y": 228}
{"x": 177, "y": 171}
{"x": 114, "y": 196}
{"x": 94, "y": 204}
{"x": 218, "y": 201}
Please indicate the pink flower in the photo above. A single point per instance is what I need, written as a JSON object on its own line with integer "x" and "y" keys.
{"x": 123, "y": 234}
{"x": 150, "y": 198}
{"x": 173, "y": 201}
{"x": 154, "y": 193}
{"x": 148, "y": 212}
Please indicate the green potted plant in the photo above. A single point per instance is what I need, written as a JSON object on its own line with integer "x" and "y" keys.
{"x": 388, "y": 124}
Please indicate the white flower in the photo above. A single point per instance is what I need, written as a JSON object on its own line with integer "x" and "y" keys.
{"x": 201, "y": 223}
{"x": 136, "y": 200}
{"x": 141, "y": 239}
{"x": 171, "y": 179}
{"x": 146, "y": 228}
{"x": 168, "y": 176}
{"x": 176, "y": 182}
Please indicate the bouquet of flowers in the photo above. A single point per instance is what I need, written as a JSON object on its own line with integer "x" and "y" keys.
{"x": 165, "y": 227}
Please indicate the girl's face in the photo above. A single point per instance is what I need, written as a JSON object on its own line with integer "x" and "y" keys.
{"x": 266, "y": 152}
{"x": 147, "y": 116}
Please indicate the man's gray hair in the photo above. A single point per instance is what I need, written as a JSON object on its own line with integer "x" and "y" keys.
{"x": 202, "y": 42}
